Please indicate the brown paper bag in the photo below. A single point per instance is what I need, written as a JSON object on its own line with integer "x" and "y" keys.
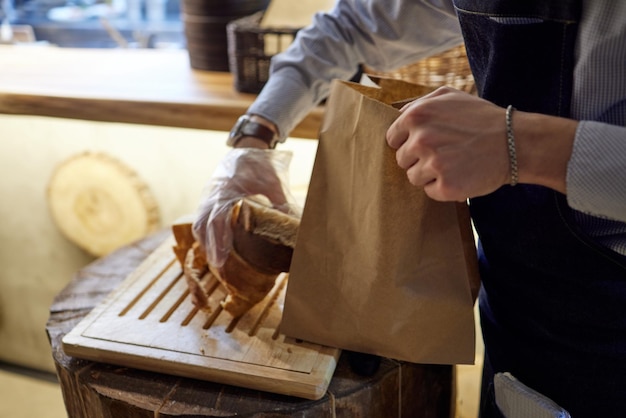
{"x": 379, "y": 267}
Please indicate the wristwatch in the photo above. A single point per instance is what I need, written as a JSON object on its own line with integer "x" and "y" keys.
{"x": 245, "y": 126}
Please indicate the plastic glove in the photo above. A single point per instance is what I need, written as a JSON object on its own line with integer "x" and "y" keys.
{"x": 243, "y": 172}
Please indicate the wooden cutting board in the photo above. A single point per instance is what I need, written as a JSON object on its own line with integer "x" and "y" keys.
{"x": 149, "y": 323}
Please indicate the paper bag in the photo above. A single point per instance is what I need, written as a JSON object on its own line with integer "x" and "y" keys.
{"x": 378, "y": 267}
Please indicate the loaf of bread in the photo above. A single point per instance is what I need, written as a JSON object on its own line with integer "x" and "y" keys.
{"x": 263, "y": 244}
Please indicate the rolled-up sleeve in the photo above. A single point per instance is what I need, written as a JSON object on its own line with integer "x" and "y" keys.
{"x": 382, "y": 35}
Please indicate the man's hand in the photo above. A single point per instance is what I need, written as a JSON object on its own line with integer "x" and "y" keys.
{"x": 451, "y": 143}
{"x": 242, "y": 173}
{"x": 455, "y": 145}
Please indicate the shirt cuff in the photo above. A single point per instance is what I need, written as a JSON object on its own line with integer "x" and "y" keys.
{"x": 596, "y": 173}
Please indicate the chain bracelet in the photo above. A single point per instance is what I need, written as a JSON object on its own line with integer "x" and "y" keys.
{"x": 510, "y": 138}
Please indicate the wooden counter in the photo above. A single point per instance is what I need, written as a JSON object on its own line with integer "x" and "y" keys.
{"x": 144, "y": 86}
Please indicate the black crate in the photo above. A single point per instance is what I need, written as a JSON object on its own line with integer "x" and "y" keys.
{"x": 248, "y": 60}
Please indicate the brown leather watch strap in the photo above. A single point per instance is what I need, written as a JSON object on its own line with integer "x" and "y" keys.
{"x": 245, "y": 126}
{"x": 259, "y": 131}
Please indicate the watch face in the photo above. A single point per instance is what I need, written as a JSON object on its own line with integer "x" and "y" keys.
{"x": 235, "y": 133}
{"x": 239, "y": 125}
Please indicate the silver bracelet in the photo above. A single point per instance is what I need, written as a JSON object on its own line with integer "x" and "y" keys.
{"x": 510, "y": 139}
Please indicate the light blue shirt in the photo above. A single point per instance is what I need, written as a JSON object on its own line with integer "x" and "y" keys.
{"x": 385, "y": 35}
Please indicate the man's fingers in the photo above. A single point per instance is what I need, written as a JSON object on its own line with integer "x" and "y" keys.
{"x": 396, "y": 135}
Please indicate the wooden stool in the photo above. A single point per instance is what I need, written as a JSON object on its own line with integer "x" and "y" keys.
{"x": 93, "y": 389}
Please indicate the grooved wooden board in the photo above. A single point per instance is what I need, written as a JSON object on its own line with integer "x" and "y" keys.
{"x": 149, "y": 323}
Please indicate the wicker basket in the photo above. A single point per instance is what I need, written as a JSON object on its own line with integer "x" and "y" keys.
{"x": 249, "y": 51}
{"x": 449, "y": 68}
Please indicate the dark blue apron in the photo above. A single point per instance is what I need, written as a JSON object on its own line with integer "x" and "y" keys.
{"x": 553, "y": 302}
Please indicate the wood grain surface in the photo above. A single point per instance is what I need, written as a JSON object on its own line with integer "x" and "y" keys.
{"x": 149, "y": 322}
{"x": 98, "y": 389}
{"x": 144, "y": 86}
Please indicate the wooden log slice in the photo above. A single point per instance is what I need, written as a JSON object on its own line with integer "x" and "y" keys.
{"x": 100, "y": 204}
{"x": 95, "y": 390}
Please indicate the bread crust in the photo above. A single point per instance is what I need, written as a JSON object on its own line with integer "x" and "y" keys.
{"x": 263, "y": 244}
{"x": 264, "y": 237}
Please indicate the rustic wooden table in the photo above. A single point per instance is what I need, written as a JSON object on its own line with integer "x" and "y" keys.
{"x": 144, "y": 86}
{"x": 92, "y": 389}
